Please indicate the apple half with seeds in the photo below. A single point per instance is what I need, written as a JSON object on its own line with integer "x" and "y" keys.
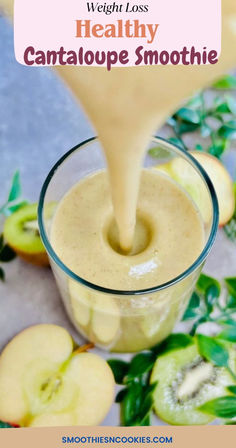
{"x": 184, "y": 174}
{"x": 45, "y": 382}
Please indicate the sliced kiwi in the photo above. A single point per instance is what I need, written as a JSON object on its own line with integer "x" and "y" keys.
{"x": 185, "y": 381}
{"x": 22, "y": 233}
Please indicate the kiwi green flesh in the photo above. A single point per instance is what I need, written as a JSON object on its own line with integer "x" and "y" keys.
{"x": 21, "y": 230}
{"x": 184, "y": 382}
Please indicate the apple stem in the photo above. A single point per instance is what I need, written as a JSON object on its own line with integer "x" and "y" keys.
{"x": 84, "y": 348}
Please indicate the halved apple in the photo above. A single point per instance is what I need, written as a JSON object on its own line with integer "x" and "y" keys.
{"x": 43, "y": 382}
{"x": 96, "y": 312}
{"x": 184, "y": 174}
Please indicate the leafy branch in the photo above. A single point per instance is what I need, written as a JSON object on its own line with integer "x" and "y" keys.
{"x": 214, "y": 120}
{"x": 207, "y": 305}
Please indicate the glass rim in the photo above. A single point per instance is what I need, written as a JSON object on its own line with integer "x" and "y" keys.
{"x": 201, "y": 258}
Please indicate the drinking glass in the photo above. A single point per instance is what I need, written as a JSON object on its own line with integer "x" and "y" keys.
{"x": 117, "y": 320}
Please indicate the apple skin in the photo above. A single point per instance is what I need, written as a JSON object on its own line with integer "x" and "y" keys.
{"x": 43, "y": 382}
{"x": 219, "y": 176}
{"x": 226, "y": 198}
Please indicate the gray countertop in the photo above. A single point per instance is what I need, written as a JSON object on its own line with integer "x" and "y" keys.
{"x": 39, "y": 121}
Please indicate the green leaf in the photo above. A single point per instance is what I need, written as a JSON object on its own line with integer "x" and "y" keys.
{"x": 194, "y": 301}
{"x": 119, "y": 369}
{"x": 223, "y": 407}
{"x": 130, "y": 406}
{"x": 220, "y": 145}
{"x": 231, "y": 302}
{"x": 137, "y": 404}
{"x": 231, "y": 285}
{"x": 189, "y": 314}
{"x": 229, "y": 334}
{"x": 210, "y": 288}
{"x": 15, "y": 191}
{"x": 227, "y": 82}
{"x": 174, "y": 342}
{"x": 232, "y": 389}
{"x": 205, "y": 130}
{"x": 176, "y": 141}
{"x": 217, "y": 100}
{"x": 231, "y": 102}
{"x": 228, "y": 322}
{"x": 211, "y": 297}
{"x": 228, "y": 130}
{"x": 145, "y": 421}
{"x": 211, "y": 350}
{"x": 14, "y": 208}
{"x": 199, "y": 147}
{"x": 188, "y": 115}
{"x": 227, "y": 106}
{"x": 171, "y": 122}
{"x": 196, "y": 101}
{"x": 223, "y": 108}
{"x": 7, "y": 254}
{"x": 205, "y": 282}
{"x": 147, "y": 402}
{"x": 185, "y": 128}
{"x": 140, "y": 364}
{"x": 194, "y": 304}
{"x": 2, "y": 275}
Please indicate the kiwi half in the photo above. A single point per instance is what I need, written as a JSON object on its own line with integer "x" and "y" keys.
{"x": 22, "y": 233}
{"x": 186, "y": 381}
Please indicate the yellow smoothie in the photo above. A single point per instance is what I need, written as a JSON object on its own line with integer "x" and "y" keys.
{"x": 169, "y": 234}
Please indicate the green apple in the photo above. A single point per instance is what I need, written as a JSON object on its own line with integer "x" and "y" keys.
{"x": 183, "y": 173}
{"x": 43, "y": 382}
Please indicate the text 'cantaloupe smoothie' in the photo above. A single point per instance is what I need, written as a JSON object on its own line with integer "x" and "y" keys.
{"x": 124, "y": 228}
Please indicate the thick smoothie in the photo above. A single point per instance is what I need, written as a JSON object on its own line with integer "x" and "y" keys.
{"x": 168, "y": 237}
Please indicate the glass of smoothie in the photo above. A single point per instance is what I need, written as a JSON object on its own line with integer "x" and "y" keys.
{"x": 127, "y": 301}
